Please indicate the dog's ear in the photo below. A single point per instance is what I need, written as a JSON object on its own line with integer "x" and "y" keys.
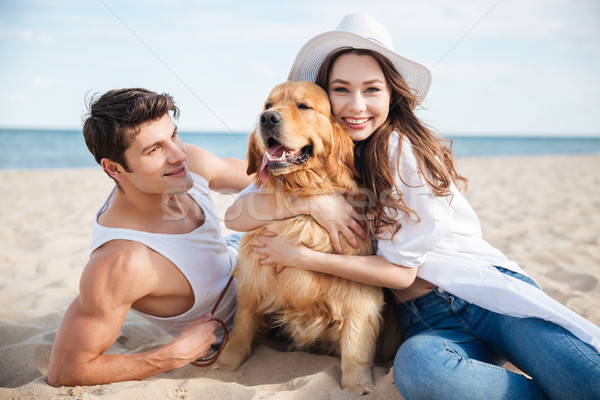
{"x": 254, "y": 156}
{"x": 341, "y": 159}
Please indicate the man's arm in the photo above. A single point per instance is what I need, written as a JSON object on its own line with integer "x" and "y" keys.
{"x": 222, "y": 174}
{"x": 253, "y": 209}
{"x": 109, "y": 285}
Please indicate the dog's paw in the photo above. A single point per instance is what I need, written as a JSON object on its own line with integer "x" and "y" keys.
{"x": 229, "y": 361}
{"x": 359, "y": 381}
{"x": 361, "y": 389}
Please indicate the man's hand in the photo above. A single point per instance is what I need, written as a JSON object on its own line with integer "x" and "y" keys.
{"x": 194, "y": 340}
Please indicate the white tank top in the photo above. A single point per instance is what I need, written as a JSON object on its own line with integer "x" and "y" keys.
{"x": 202, "y": 255}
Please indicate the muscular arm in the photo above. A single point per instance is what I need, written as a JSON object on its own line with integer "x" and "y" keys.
{"x": 253, "y": 210}
{"x": 108, "y": 287}
{"x": 222, "y": 174}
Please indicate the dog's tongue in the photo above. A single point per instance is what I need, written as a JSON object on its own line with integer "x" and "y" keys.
{"x": 272, "y": 152}
{"x": 264, "y": 173}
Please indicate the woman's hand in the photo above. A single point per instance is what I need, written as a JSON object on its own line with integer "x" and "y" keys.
{"x": 279, "y": 251}
{"x": 334, "y": 213}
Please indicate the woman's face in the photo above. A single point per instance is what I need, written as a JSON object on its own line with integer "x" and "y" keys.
{"x": 359, "y": 94}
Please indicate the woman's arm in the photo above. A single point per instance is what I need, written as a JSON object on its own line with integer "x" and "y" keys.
{"x": 253, "y": 209}
{"x": 370, "y": 270}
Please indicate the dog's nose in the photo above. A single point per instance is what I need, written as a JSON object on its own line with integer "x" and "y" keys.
{"x": 270, "y": 119}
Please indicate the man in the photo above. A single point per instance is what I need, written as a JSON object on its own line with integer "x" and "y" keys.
{"x": 156, "y": 245}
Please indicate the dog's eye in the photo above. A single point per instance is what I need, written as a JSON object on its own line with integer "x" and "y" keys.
{"x": 303, "y": 106}
{"x": 268, "y": 105}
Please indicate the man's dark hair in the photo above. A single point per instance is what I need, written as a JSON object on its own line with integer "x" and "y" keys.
{"x": 114, "y": 119}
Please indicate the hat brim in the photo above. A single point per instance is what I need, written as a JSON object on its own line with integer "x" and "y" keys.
{"x": 313, "y": 53}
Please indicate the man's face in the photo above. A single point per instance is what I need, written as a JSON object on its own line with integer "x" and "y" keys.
{"x": 156, "y": 159}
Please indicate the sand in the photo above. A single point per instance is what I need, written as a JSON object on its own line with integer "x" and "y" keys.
{"x": 542, "y": 211}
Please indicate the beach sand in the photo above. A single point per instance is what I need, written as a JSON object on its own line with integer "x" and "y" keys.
{"x": 542, "y": 211}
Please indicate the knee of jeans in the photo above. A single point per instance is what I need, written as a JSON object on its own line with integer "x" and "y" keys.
{"x": 415, "y": 363}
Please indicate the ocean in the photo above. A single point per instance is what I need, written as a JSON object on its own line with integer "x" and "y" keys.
{"x": 42, "y": 149}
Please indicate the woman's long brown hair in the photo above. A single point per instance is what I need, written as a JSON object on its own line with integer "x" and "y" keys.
{"x": 434, "y": 157}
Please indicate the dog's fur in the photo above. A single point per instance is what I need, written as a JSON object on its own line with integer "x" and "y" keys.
{"x": 316, "y": 310}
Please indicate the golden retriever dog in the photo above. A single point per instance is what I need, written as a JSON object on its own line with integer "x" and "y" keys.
{"x": 298, "y": 149}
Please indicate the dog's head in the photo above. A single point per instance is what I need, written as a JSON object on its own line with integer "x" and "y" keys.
{"x": 297, "y": 139}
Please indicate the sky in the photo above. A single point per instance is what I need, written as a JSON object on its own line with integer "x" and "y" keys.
{"x": 500, "y": 67}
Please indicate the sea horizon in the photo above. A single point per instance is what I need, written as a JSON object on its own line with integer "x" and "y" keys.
{"x": 24, "y": 148}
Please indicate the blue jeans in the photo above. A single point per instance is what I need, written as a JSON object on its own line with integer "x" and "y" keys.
{"x": 234, "y": 240}
{"x": 455, "y": 350}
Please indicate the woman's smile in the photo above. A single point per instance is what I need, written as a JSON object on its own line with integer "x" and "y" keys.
{"x": 356, "y": 123}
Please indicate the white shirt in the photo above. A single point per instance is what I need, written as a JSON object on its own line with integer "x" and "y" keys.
{"x": 447, "y": 246}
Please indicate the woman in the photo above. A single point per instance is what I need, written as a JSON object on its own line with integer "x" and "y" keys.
{"x": 465, "y": 309}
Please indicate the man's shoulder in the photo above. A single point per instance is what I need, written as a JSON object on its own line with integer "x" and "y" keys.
{"x": 120, "y": 253}
{"x": 118, "y": 271}
{"x": 119, "y": 259}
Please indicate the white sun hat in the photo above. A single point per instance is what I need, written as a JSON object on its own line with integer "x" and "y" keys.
{"x": 360, "y": 32}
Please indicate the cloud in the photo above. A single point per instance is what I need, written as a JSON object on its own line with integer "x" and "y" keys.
{"x": 39, "y": 81}
{"x": 515, "y": 19}
{"x": 478, "y": 73}
{"x": 18, "y": 99}
{"x": 25, "y": 35}
{"x": 263, "y": 69}
{"x": 19, "y": 35}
